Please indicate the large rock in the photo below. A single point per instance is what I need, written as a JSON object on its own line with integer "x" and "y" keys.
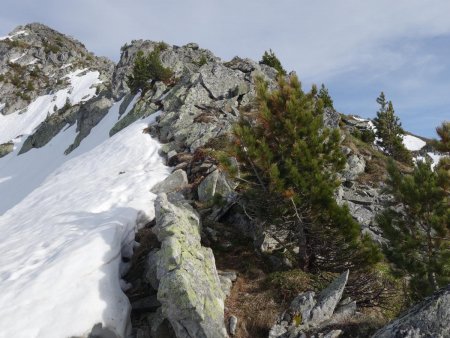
{"x": 6, "y": 148}
{"x": 428, "y": 319}
{"x": 354, "y": 167}
{"x": 308, "y": 311}
{"x": 215, "y": 183}
{"x": 331, "y": 118}
{"x": 189, "y": 286}
{"x": 328, "y": 300}
{"x": 174, "y": 182}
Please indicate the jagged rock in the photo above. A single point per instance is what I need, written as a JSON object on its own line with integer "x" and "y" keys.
{"x": 355, "y": 165}
{"x": 189, "y": 286}
{"x": 149, "y": 303}
{"x": 215, "y": 183}
{"x": 151, "y": 268}
{"x": 308, "y": 311}
{"x": 174, "y": 182}
{"x": 48, "y": 129}
{"x": 89, "y": 116}
{"x": 226, "y": 281}
{"x": 328, "y": 299}
{"x": 344, "y": 310}
{"x": 232, "y": 325}
{"x": 222, "y": 82}
{"x": 331, "y": 118}
{"x": 429, "y": 318}
{"x": 160, "y": 327}
{"x": 6, "y": 148}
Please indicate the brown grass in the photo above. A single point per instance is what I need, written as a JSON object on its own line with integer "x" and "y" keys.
{"x": 251, "y": 300}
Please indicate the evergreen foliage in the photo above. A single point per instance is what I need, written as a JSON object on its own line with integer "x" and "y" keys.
{"x": 325, "y": 97}
{"x": 443, "y": 145}
{"x": 390, "y": 131}
{"x": 290, "y": 161}
{"x": 147, "y": 70}
{"x": 270, "y": 59}
{"x": 418, "y": 227}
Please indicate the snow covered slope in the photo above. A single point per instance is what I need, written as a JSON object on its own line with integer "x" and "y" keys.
{"x": 66, "y": 226}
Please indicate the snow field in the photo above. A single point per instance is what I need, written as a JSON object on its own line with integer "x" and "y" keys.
{"x": 64, "y": 236}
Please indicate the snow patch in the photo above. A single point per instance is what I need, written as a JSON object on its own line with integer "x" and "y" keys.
{"x": 359, "y": 119}
{"x": 66, "y": 66}
{"x": 413, "y": 143}
{"x": 17, "y": 58}
{"x": 32, "y": 62}
{"x": 435, "y": 158}
{"x": 14, "y": 35}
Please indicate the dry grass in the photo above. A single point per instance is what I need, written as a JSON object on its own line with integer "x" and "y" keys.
{"x": 252, "y": 300}
{"x": 376, "y": 161}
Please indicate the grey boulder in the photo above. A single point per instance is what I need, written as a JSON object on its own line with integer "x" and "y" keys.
{"x": 428, "y": 319}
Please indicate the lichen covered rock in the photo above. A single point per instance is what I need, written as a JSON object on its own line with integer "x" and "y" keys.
{"x": 189, "y": 286}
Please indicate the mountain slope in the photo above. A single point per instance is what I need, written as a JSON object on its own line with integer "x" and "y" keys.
{"x": 67, "y": 217}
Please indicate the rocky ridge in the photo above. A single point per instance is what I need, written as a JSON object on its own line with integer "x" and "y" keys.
{"x": 184, "y": 291}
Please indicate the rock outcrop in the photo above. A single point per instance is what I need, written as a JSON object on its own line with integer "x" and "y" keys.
{"x": 428, "y": 319}
{"x": 309, "y": 313}
{"x": 189, "y": 287}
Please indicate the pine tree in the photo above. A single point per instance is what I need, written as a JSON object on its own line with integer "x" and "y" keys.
{"x": 443, "y": 131}
{"x": 292, "y": 160}
{"x": 389, "y": 131}
{"x": 417, "y": 227}
{"x": 147, "y": 69}
{"x": 270, "y": 59}
{"x": 443, "y": 145}
{"x": 325, "y": 97}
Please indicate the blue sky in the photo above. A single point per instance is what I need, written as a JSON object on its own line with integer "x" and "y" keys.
{"x": 357, "y": 48}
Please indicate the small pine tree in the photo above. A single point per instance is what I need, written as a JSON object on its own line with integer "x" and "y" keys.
{"x": 147, "y": 69}
{"x": 270, "y": 59}
{"x": 389, "y": 131}
{"x": 325, "y": 97}
{"x": 417, "y": 227}
{"x": 443, "y": 131}
{"x": 292, "y": 160}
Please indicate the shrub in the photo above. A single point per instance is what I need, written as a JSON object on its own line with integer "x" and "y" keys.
{"x": 203, "y": 61}
{"x": 51, "y": 48}
{"x": 147, "y": 70}
{"x": 290, "y": 162}
{"x": 418, "y": 231}
{"x": 368, "y": 136}
{"x": 270, "y": 59}
{"x": 325, "y": 97}
{"x": 390, "y": 131}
